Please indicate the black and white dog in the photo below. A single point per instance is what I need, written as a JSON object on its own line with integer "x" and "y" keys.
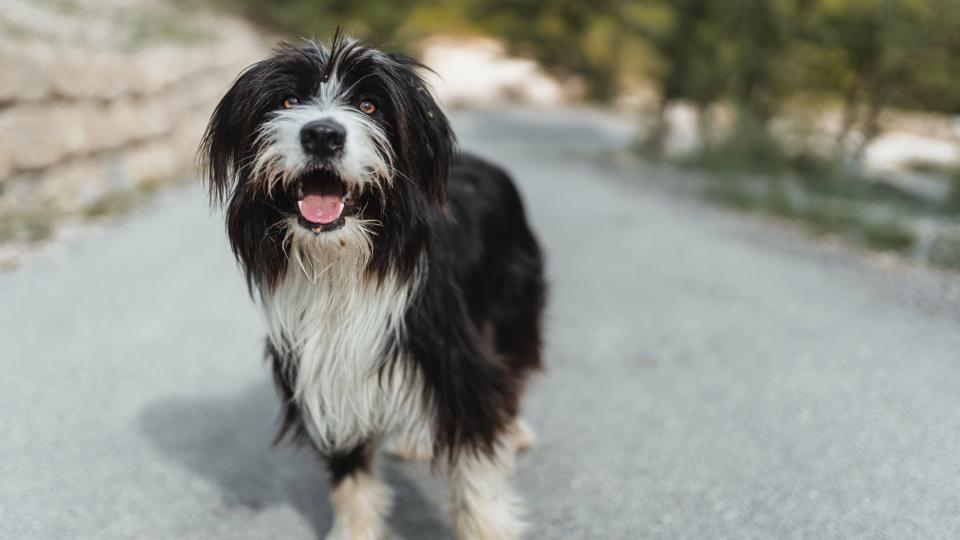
{"x": 401, "y": 286}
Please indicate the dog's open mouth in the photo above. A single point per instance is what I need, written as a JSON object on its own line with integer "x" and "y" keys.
{"x": 322, "y": 201}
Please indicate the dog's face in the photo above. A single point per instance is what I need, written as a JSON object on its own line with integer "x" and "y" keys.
{"x": 326, "y": 148}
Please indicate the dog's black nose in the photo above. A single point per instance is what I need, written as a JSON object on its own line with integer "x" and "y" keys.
{"x": 322, "y": 138}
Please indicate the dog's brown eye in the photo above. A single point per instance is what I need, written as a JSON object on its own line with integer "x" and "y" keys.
{"x": 290, "y": 101}
{"x": 367, "y": 107}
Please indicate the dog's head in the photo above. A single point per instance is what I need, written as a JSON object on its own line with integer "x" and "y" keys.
{"x": 324, "y": 151}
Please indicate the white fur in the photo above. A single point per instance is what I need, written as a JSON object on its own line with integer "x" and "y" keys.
{"x": 485, "y": 507}
{"x": 326, "y": 311}
{"x": 360, "y": 504}
{"x": 339, "y": 323}
{"x": 411, "y": 444}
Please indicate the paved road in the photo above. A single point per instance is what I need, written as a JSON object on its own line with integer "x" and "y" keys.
{"x": 710, "y": 377}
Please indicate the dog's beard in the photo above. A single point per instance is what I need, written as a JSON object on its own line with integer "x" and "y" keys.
{"x": 330, "y": 255}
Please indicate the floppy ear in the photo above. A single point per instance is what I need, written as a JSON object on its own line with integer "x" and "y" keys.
{"x": 225, "y": 142}
{"x": 427, "y": 142}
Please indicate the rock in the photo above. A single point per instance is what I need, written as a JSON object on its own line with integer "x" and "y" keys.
{"x": 82, "y": 115}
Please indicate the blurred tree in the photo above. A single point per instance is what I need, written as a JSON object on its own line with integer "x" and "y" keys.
{"x": 868, "y": 54}
{"x": 760, "y": 31}
{"x": 712, "y": 51}
{"x": 935, "y": 81}
{"x": 690, "y": 45}
{"x": 396, "y": 23}
{"x": 878, "y": 53}
{"x": 568, "y": 37}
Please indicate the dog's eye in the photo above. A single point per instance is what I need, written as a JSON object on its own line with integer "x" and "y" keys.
{"x": 290, "y": 101}
{"x": 367, "y": 107}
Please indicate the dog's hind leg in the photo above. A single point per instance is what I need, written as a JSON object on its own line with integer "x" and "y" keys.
{"x": 524, "y": 438}
{"x": 485, "y": 505}
{"x": 360, "y": 501}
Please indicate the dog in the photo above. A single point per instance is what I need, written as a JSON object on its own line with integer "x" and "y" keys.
{"x": 401, "y": 286}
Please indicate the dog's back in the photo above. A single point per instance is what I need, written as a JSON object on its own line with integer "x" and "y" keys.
{"x": 497, "y": 260}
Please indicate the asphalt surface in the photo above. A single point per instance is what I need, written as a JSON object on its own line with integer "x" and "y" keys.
{"x": 710, "y": 376}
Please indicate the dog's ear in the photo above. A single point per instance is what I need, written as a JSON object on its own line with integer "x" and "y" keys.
{"x": 225, "y": 143}
{"x": 426, "y": 139}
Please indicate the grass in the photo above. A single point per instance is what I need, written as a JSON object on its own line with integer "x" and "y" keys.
{"x": 949, "y": 173}
{"x": 752, "y": 171}
{"x": 122, "y": 201}
{"x": 945, "y": 251}
{"x": 35, "y": 224}
{"x": 26, "y": 225}
{"x": 953, "y": 201}
{"x": 822, "y": 213}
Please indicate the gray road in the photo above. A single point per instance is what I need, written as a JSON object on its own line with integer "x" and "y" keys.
{"x": 709, "y": 376}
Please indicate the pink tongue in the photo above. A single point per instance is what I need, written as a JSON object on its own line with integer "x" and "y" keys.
{"x": 321, "y": 208}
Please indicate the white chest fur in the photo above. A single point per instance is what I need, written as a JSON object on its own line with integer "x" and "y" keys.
{"x": 340, "y": 327}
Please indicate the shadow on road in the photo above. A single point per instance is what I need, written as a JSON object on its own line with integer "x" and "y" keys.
{"x": 227, "y": 441}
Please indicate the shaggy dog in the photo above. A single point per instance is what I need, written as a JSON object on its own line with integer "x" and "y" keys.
{"x": 401, "y": 286}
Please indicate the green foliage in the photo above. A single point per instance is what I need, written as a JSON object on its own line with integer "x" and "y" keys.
{"x": 748, "y": 148}
{"x": 752, "y": 53}
{"x": 123, "y": 201}
{"x": 949, "y": 173}
{"x": 945, "y": 251}
{"x": 870, "y": 217}
{"x": 754, "y": 171}
{"x": 749, "y": 56}
{"x": 874, "y": 54}
{"x": 393, "y": 23}
{"x": 953, "y": 201}
{"x": 26, "y": 225}
{"x": 568, "y": 37}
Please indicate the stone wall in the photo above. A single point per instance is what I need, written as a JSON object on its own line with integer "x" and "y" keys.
{"x": 95, "y": 99}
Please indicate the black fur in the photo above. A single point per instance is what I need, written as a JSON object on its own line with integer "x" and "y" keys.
{"x": 284, "y": 378}
{"x": 473, "y": 327}
{"x": 344, "y": 464}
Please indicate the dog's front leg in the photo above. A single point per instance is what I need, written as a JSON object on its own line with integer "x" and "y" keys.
{"x": 485, "y": 506}
{"x": 360, "y": 501}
